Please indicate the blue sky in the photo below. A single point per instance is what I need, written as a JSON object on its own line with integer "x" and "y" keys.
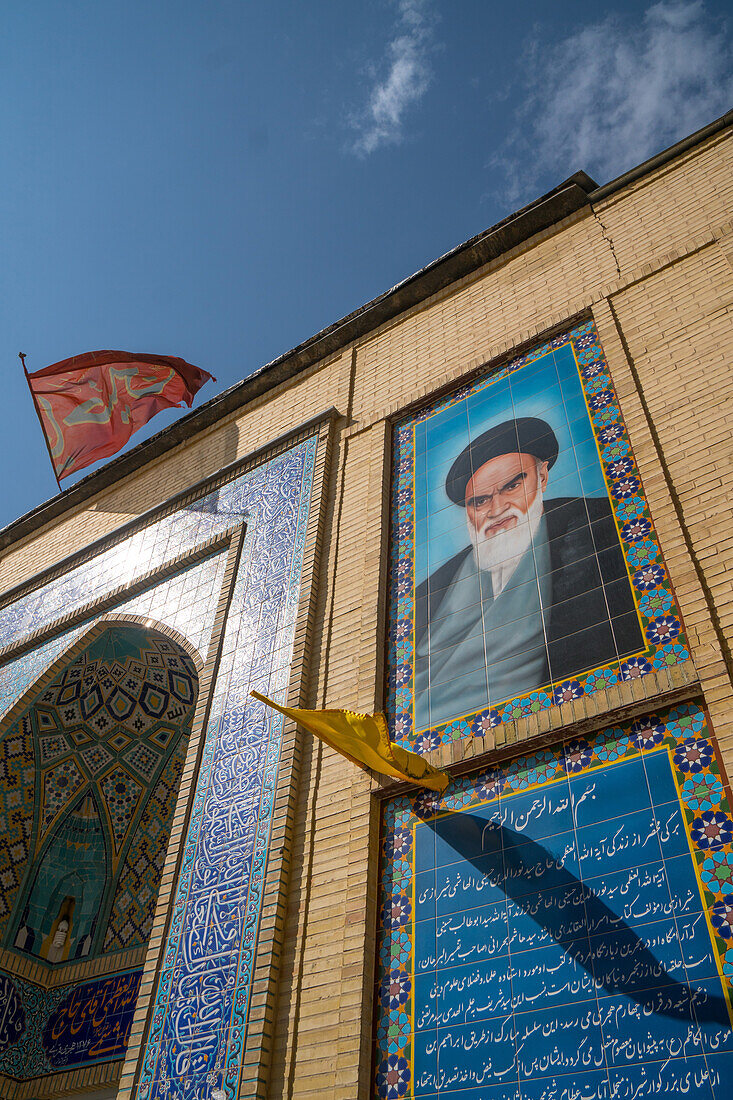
{"x": 221, "y": 180}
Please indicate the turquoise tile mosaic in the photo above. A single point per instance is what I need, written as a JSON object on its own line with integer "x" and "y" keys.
{"x": 91, "y": 755}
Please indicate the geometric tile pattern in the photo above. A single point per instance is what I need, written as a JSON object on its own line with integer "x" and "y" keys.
{"x": 60, "y": 784}
{"x": 52, "y": 747}
{"x": 143, "y": 759}
{"x": 17, "y": 788}
{"x": 124, "y": 693}
{"x": 654, "y": 885}
{"x": 122, "y": 795}
{"x": 95, "y": 758}
{"x": 663, "y": 632}
{"x": 137, "y": 886}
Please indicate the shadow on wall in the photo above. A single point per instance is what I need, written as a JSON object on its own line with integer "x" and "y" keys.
{"x": 647, "y": 982}
{"x": 222, "y": 450}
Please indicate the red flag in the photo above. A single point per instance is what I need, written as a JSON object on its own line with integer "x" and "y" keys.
{"x": 91, "y": 404}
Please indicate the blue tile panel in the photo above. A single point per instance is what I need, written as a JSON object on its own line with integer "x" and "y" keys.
{"x": 44, "y": 1030}
{"x": 586, "y": 600}
{"x": 200, "y": 1010}
{"x": 186, "y": 601}
{"x": 562, "y": 924}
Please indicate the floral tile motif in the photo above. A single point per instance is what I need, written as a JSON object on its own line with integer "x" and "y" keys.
{"x": 661, "y": 641}
{"x": 95, "y": 758}
{"x": 93, "y": 700}
{"x": 60, "y": 784}
{"x": 133, "y": 909}
{"x": 682, "y": 887}
{"x": 143, "y": 759}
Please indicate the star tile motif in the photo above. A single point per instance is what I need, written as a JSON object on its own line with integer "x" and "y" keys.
{"x": 95, "y": 758}
{"x": 134, "y": 905}
{"x": 60, "y": 784}
{"x": 122, "y": 794}
{"x": 143, "y": 759}
{"x": 53, "y": 747}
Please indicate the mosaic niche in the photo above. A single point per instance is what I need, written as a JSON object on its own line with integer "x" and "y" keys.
{"x": 525, "y": 568}
{"x": 99, "y": 748}
{"x": 561, "y": 925}
{"x": 89, "y": 772}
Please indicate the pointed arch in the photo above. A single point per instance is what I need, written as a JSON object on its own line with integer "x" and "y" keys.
{"x": 75, "y": 859}
{"x": 110, "y": 716}
{"x": 104, "y": 622}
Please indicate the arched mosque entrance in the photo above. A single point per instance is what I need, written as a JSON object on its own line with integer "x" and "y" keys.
{"x": 90, "y": 765}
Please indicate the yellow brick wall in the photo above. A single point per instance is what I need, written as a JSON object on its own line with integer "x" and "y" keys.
{"x": 688, "y": 196}
{"x": 653, "y": 265}
{"x": 679, "y": 329}
{"x": 679, "y": 314}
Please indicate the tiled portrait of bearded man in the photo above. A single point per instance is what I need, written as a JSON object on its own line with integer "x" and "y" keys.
{"x": 520, "y": 579}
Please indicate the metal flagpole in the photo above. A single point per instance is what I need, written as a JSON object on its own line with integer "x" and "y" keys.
{"x": 21, "y": 356}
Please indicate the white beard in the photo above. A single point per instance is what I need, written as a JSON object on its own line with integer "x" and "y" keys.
{"x": 500, "y": 554}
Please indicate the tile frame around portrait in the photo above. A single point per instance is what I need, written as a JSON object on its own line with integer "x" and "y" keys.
{"x": 637, "y": 537}
{"x": 679, "y": 730}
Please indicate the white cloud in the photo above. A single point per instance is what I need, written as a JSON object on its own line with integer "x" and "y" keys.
{"x": 612, "y": 94}
{"x": 404, "y": 80}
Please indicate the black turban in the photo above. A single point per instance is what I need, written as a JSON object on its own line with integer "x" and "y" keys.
{"x": 527, "y": 435}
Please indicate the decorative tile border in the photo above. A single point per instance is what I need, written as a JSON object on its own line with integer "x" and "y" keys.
{"x": 115, "y": 569}
{"x": 185, "y": 602}
{"x": 198, "y": 1021}
{"x": 681, "y": 732}
{"x": 88, "y": 611}
{"x": 666, "y": 643}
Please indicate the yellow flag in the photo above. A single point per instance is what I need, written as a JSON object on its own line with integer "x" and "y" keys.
{"x": 364, "y": 739}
